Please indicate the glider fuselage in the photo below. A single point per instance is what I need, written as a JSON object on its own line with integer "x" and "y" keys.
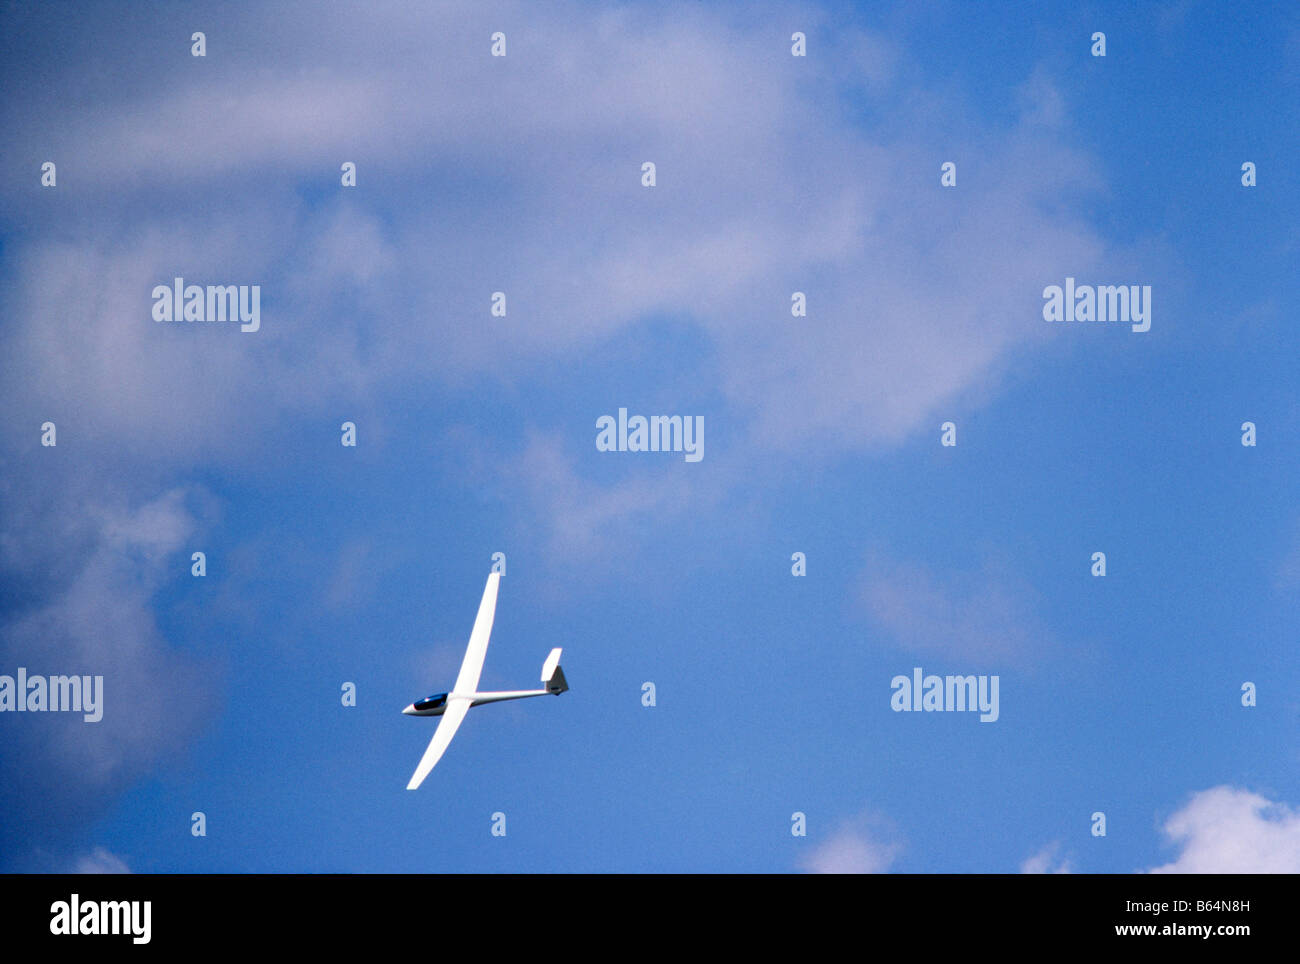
{"x": 436, "y": 705}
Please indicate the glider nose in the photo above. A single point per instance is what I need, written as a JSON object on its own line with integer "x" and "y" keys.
{"x": 410, "y": 710}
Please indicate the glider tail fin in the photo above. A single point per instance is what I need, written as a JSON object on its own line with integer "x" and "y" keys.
{"x": 553, "y": 675}
{"x": 557, "y": 684}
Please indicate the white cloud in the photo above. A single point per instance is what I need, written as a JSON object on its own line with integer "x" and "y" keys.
{"x": 916, "y": 294}
{"x": 1225, "y": 830}
{"x": 862, "y": 845}
{"x": 521, "y": 174}
{"x": 96, "y": 618}
{"x": 1047, "y": 861}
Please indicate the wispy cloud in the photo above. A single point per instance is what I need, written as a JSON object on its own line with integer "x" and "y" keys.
{"x": 584, "y": 518}
{"x": 916, "y": 294}
{"x": 1047, "y": 861}
{"x": 101, "y": 861}
{"x": 356, "y": 575}
{"x": 987, "y": 612}
{"x": 865, "y": 844}
{"x": 99, "y": 622}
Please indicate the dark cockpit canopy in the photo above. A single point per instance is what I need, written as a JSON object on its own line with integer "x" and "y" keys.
{"x": 431, "y": 702}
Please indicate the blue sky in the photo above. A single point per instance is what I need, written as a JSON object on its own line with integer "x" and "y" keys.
{"x": 476, "y": 435}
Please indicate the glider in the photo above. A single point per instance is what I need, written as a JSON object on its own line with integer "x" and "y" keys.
{"x": 453, "y": 706}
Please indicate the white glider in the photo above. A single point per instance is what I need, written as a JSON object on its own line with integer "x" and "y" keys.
{"x": 453, "y": 706}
